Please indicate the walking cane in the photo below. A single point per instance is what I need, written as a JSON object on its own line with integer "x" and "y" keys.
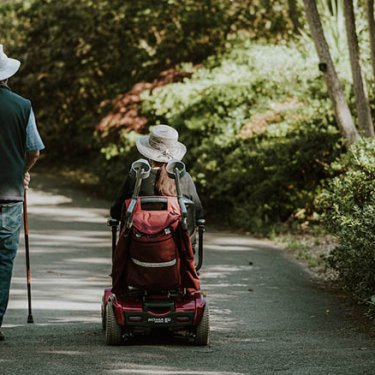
{"x": 28, "y": 277}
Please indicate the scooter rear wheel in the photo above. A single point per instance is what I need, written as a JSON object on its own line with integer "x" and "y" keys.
{"x": 113, "y": 331}
{"x": 202, "y": 333}
{"x": 103, "y": 316}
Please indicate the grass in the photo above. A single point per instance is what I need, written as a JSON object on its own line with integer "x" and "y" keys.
{"x": 311, "y": 249}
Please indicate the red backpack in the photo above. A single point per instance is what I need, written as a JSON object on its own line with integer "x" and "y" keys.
{"x": 155, "y": 253}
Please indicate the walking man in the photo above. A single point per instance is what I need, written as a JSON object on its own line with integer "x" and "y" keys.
{"x": 20, "y": 144}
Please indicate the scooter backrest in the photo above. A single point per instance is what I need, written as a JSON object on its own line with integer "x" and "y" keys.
{"x": 171, "y": 167}
{"x": 138, "y": 166}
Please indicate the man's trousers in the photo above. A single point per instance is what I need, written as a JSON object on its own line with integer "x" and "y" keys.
{"x": 10, "y": 224}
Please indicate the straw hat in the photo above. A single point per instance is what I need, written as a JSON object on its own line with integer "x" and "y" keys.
{"x": 8, "y": 66}
{"x": 161, "y": 144}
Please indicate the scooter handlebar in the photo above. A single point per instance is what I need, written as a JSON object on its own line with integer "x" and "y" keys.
{"x": 141, "y": 168}
{"x": 173, "y": 165}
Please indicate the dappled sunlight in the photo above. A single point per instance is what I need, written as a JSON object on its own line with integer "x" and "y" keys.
{"x": 70, "y": 240}
{"x": 70, "y": 214}
{"x": 65, "y": 352}
{"x": 63, "y": 293}
{"x": 70, "y": 261}
{"x": 59, "y": 321}
{"x": 73, "y": 265}
{"x": 76, "y": 319}
{"x": 234, "y": 247}
{"x": 58, "y": 248}
{"x": 222, "y": 320}
{"x": 42, "y": 198}
{"x": 222, "y": 239}
{"x": 221, "y": 271}
{"x": 53, "y": 282}
{"x": 162, "y": 371}
{"x": 229, "y": 285}
{"x": 90, "y": 260}
{"x": 217, "y": 279}
{"x": 66, "y": 282}
{"x": 54, "y": 305}
{"x": 62, "y": 237}
{"x": 229, "y": 242}
{"x": 70, "y": 265}
{"x": 132, "y": 368}
{"x": 225, "y": 242}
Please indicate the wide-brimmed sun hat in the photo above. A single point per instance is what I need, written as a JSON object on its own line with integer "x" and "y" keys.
{"x": 161, "y": 144}
{"x": 8, "y": 66}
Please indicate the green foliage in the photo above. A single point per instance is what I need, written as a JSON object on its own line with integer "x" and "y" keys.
{"x": 333, "y": 19}
{"x": 76, "y": 53}
{"x": 114, "y": 166}
{"x": 256, "y": 125}
{"x": 333, "y": 22}
{"x": 266, "y": 20}
{"x": 266, "y": 179}
{"x": 348, "y": 204}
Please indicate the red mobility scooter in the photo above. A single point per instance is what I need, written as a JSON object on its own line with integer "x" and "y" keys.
{"x": 154, "y": 266}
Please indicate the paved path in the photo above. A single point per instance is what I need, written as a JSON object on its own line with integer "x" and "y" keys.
{"x": 268, "y": 315}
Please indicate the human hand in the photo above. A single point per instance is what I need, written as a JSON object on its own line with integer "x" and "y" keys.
{"x": 26, "y": 180}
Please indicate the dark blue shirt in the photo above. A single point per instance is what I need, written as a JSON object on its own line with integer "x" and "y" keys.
{"x": 18, "y": 135}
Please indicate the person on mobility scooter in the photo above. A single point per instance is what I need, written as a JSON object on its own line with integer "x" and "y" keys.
{"x": 154, "y": 274}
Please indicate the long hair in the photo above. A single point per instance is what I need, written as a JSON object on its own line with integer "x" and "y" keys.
{"x": 164, "y": 184}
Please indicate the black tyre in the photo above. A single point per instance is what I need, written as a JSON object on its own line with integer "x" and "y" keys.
{"x": 103, "y": 316}
{"x": 202, "y": 333}
{"x": 113, "y": 331}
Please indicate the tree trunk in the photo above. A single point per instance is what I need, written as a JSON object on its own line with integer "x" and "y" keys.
{"x": 342, "y": 111}
{"x": 365, "y": 124}
{"x": 371, "y": 27}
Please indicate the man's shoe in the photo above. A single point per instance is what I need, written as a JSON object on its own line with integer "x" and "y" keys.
{"x": 2, "y": 337}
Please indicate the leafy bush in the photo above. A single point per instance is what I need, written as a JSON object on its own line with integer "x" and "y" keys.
{"x": 265, "y": 179}
{"x": 76, "y": 53}
{"x": 256, "y": 126}
{"x": 348, "y": 204}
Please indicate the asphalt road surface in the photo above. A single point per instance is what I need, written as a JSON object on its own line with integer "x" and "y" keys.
{"x": 268, "y": 314}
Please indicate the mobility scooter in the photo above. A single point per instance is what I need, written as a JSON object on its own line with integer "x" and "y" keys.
{"x": 155, "y": 283}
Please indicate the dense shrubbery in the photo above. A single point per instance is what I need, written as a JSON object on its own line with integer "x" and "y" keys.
{"x": 256, "y": 126}
{"x": 349, "y": 213}
{"x": 77, "y": 53}
{"x": 265, "y": 179}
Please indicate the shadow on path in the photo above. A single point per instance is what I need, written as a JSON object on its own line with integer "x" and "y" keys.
{"x": 267, "y": 314}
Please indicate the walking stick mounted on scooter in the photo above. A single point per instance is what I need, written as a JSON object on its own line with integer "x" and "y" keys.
{"x": 176, "y": 169}
{"x": 140, "y": 169}
{"x": 30, "y": 318}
